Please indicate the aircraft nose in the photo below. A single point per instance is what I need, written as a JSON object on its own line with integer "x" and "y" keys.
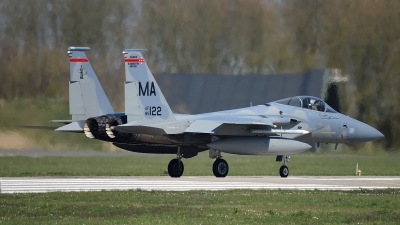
{"x": 368, "y": 133}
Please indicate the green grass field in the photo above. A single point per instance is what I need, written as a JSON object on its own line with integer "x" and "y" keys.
{"x": 383, "y": 164}
{"x": 203, "y": 207}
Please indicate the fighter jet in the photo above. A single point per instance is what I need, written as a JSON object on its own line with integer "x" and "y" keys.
{"x": 148, "y": 125}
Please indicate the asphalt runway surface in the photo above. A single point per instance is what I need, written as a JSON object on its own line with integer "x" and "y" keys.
{"x": 67, "y": 184}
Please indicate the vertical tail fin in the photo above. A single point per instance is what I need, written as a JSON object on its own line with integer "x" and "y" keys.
{"x": 144, "y": 101}
{"x": 86, "y": 95}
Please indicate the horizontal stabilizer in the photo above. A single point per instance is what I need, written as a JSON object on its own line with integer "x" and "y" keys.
{"x": 61, "y": 121}
{"x": 39, "y": 127}
{"x": 75, "y": 127}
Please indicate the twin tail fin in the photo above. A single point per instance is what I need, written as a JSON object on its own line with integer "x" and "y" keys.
{"x": 144, "y": 101}
{"x": 86, "y": 95}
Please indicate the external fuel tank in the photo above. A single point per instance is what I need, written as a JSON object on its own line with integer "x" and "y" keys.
{"x": 259, "y": 146}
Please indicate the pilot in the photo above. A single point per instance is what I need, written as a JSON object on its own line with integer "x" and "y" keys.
{"x": 320, "y": 106}
{"x": 312, "y": 105}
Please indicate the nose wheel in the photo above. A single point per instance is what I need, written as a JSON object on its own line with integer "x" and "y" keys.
{"x": 220, "y": 168}
{"x": 284, "y": 170}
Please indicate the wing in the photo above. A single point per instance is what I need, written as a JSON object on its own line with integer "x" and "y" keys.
{"x": 222, "y": 125}
{"x": 211, "y": 125}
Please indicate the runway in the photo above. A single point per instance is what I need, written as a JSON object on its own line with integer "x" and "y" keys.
{"x": 54, "y": 184}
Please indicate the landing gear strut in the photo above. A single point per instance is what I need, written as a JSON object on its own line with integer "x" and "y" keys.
{"x": 284, "y": 170}
{"x": 175, "y": 166}
{"x": 220, "y": 166}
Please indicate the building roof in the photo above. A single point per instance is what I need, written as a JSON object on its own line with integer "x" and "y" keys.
{"x": 201, "y": 93}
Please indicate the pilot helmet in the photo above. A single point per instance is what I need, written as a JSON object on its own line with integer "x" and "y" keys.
{"x": 306, "y": 102}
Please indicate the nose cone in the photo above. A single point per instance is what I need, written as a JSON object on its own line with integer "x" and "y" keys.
{"x": 367, "y": 133}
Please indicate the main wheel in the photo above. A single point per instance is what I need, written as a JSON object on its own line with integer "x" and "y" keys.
{"x": 175, "y": 168}
{"x": 284, "y": 171}
{"x": 220, "y": 168}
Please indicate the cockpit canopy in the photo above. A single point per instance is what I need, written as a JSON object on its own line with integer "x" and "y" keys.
{"x": 307, "y": 102}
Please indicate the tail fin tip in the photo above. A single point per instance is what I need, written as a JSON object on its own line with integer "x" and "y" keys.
{"x": 126, "y": 51}
{"x": 72, "y": 48}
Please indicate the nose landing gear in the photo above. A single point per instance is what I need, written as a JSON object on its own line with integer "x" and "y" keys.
{"x": 284, "y": 170}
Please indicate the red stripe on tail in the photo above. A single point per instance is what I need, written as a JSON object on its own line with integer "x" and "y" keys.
{"x": 78, "y": 60}
{"x": 135, "y": 60}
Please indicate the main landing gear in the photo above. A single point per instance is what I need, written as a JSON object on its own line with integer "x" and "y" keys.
{"x": 220, "y": 166}
{"x": 284, "y": 170}
{"x": 175, "y": 166}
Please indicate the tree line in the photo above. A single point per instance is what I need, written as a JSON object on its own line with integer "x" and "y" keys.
{"x": 360, "y": 39}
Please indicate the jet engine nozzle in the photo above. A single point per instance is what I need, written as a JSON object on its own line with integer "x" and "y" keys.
{"x": 112, "y": 133}
{"x": 101, "y": 127}
{"x": 90, "y": 128}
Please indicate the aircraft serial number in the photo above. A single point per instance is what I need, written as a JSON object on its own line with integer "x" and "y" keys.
{"x": 153, "y": 111}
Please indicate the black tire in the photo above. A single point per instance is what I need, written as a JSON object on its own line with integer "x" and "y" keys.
{"x": 220, "y": 168}
{"x": 284, "y": 171}
{"x": 175, "y": 168}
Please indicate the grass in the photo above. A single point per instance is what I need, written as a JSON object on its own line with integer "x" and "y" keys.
{"x": 384, "y": 164}
{"x": 203, "y": 207}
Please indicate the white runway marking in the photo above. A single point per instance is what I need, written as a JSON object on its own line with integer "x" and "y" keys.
{"x": 44, "y": 184}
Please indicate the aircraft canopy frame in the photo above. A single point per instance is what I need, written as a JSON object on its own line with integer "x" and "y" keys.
{"x": 307, "y": 102}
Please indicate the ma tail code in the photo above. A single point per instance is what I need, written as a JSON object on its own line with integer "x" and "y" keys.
{"x": 146, "y": 91}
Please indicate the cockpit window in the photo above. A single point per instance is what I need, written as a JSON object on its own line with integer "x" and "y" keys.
{"x": 295, "y": 101}
{"x": 314, "y": 104}
{"x": 307, "y": 102}
{"x": 329, "y": 109}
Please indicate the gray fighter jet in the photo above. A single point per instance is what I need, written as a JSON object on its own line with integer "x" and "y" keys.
{"x": 148, "y": 125}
